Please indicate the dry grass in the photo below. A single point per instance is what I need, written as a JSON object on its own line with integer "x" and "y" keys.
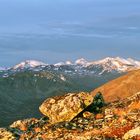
{"x": 121, "y": 87}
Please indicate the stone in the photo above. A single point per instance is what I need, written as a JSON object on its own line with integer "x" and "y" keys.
{"x": 23, "y": 124}
{"x": 109, "y": 116}
{"x": 6, "y": 135}
{"x": 88, "y": 115}
{"x": 108, "y": 112}
{"x": 66, "y": 107}
{"x": 132, "y": 133}
{"x": 99, "y": 116}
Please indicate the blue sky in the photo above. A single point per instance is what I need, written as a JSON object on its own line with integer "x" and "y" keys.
{"x": 59, "y": 30}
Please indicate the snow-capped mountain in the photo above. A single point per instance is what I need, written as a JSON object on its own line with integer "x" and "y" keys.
{"x": 80, "y": 66}
{"x": 117, "y": 64}
{"x": 108, "y": 64}
{"x": 118, "y": 61}
{"x": 28, "y": 64}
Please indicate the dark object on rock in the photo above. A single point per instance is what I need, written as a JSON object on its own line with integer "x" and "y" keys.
{"x": 98, "y": 103}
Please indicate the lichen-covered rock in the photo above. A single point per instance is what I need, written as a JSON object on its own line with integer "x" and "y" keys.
{"x": 65, "y": 108}
{"x": 132, "y": 134}
{"x": 23, "y": 124}
{"x": 6, "y": 135}
{"x": 87, "y": 114}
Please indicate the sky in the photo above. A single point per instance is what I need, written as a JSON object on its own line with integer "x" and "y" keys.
{"x": 58, "y": 30}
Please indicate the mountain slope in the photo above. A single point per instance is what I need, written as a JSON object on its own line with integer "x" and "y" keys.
{"x": 121, "y": 87}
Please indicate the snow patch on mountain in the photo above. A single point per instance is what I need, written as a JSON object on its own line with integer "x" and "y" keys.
{"x": 63, "y": 63}
{"x": 134, "y": 62}
{"x": 62, "y": 77}
{"x": 59, "y": 64}
{"x": 68, "y": 63}
{"x": 2, "y": 68}
{"x": 82, "y": 62}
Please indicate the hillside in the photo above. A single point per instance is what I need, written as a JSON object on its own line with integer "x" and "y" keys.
{"x": 121, "y": 87}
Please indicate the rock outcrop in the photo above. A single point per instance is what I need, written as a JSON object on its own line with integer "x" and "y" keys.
{"x": 65, "y": 108}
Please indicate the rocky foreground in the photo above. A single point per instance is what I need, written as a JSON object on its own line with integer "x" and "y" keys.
{"x": 80, "y": 117}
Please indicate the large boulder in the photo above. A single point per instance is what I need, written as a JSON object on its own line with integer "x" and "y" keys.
{"x": 66, "y": 107}
{"x": 6, "y": 135}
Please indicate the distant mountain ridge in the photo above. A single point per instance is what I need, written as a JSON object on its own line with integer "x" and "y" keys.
{"x": 83, "y": 62}
{"x": 80, "y": 66}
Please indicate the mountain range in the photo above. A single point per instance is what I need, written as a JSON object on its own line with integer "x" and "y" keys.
{"x": 24, "y": 86}
{"x": 80, "y": 66}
